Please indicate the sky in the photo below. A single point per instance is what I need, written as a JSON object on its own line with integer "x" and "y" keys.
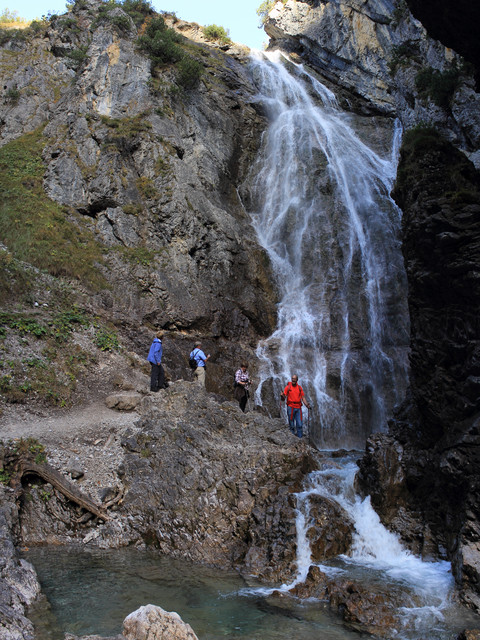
{"x": 239, "y": 17}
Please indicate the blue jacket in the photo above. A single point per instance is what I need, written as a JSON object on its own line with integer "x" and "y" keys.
{"x": 155, "y": 353}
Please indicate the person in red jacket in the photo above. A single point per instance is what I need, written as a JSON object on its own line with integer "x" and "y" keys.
{"x": 295, "y": 396}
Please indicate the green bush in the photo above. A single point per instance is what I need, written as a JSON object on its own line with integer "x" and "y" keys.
{"x": 77, "y": 56}
{"x": 106, "y": 340}
{"x": 12, "y": 95}
{"x": 138, "y": 10}
{"x": 7, "y": 17}
{"x": 189, "y": 72}
{"x": 219, "y": 34}
{"x": 437, "y": 85}
{"x": 160, "y": 43}
{"x": 264, "y": 9}
{"x": 403, "y": 55}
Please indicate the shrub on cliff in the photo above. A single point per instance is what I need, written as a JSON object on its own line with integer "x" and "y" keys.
{"x": 160, "y": 43}
{"x": 217, "y": 34}
{"x": 437, "y": 85}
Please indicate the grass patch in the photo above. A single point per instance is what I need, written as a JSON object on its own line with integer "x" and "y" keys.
{"x": 35, "y": 228}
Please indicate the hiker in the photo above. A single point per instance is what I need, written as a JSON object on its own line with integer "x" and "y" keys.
{"x": 295, "y": 396}
{"x": 157, "y": 378}
{"x": 242, "y": 383}
{"x": 200, "y": 358}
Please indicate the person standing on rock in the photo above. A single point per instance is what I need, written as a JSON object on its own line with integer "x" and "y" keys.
{"x": 157, "y": 378}
{"x": 242, "y": 383}
{"x": 295, "y": 396}
{"x": 201, "y": 359}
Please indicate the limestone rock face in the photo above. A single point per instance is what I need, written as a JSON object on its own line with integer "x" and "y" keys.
{"x": 154, "y": 623}
{"x": 152, "y": 171}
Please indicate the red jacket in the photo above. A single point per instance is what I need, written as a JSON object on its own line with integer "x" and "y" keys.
{"x": 294, "y": 395}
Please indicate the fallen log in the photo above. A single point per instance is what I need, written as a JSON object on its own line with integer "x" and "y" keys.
{"x": 51, "y": 475}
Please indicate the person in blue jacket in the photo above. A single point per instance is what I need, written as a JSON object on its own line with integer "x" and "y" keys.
{"x": 157, "y": 378}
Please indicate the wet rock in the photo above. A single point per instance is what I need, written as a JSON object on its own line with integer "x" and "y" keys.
{"x": 153, "y": 622}
{"x": 314, "y": 586}
{"x": 362, "y": 608}
{"x": 331, "y": 533}
{"x": 423, "y": 477}
{"x": 377, "y": 54}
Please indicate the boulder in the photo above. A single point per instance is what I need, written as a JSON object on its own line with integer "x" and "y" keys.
{"x": 154, "y": 623}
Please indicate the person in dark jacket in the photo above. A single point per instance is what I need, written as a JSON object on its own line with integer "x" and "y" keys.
{"x": 157, "y": 378}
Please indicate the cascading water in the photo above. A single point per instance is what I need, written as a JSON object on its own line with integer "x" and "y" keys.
{"x": 420, "y": 590}
{"x": 319, "y": 201}
{"x": 318, "y": 196}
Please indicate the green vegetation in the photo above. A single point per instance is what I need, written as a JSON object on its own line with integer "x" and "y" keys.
{"x": 456, "y": 178}
{"x": 403, "y": 55}
{"x": 400, "y": 12}
{"x": 59, "y": 327}
{"x": 162, "y": 45}
{"x": 146, "y": 188}
{"x": 106, "y": 340}
{"x": 77, "y": 56}
{"x": 138, "y": 10}
{"x": 11, "y": 17}
{"x": 189, "y": 72}
{"x": 439, "y": 86}
{"x": 50, "y": 373}
{"x": 216, "y": 33}
{"x": 265, "y": 8}
{"x": 12, "y": 95}
{"x": 33, "y": 227}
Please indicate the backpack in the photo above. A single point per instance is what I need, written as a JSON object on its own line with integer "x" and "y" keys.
{"x": 192, "y": 362}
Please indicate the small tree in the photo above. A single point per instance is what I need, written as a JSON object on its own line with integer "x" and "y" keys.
{"x": 219, "y": 34}
{"x": 264, "y": 9}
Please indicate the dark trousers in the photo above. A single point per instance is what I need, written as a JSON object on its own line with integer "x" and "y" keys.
{"x": 241, "y": 394}
{"x": 157, "y": 379}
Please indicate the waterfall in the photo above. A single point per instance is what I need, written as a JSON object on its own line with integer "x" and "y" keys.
{"x": 319, "y": 200}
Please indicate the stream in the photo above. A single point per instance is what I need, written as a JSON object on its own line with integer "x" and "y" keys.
{"x": 91, "y": 591}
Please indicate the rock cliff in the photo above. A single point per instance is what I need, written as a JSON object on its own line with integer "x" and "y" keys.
{"x": 138, "y": 159}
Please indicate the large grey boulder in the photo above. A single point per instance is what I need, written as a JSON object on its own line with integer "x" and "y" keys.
{"x": 154, "y": 623}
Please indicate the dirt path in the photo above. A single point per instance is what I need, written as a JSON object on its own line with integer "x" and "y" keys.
{"x": 83, "y": 424}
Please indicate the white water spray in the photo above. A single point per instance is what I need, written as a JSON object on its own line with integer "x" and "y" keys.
{"x": 319, "y": 201}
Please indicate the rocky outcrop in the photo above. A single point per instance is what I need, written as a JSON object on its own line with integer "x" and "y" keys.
{"x": 194, "y": 478}
{"x": 453, "y": 23}
{"x": 19, "y": 586}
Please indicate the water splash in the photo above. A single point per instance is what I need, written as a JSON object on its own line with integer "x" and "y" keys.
{"x": 375, "y": 552}
{"x": 319, "y": 201}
